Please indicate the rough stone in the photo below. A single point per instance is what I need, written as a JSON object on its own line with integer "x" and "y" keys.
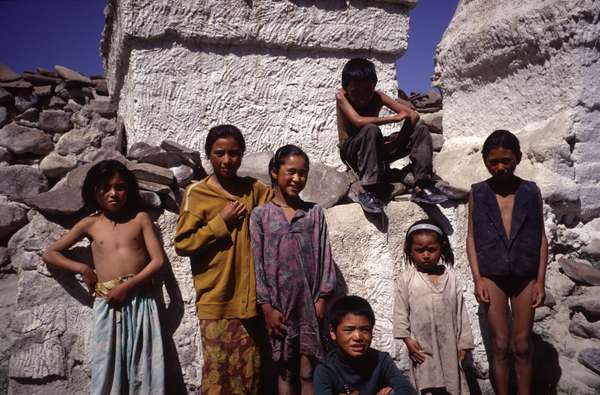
{"x": 20, "y": 181}
{"x": 23, "y": 140}
{"x": 590, "y": 358}
{"x": 106, "y": 126}
{"x": 164, "y": 159}
{"x": 7, "y": 74}
{"x": 194, "y": 156}
{"x": 12, "y": 218}
{"x": 30, "y": 115}
{"x": 76, "y": 176}
{"x": 25, "y": 101}
{"x": 103, "y": 107}
{"x": 20, "y": 84}
{"x": 6, "y": 156}
{"x": 3, "y": 116}
{"x": 56, "y": 166}
{"x": 101, "y": 87}
{"x": 256, "y": 165}
{"x": 40, "y": 80}
{"x": 150, "y": 199}
{"x": 4, "y": 259}
{"x": 580, "y": 326}
{"x": 152, "y": 173}
{"x": 5, "y": 97}
{"x": 56, "y": 103}
{"x": 154, "y": 187}
{"x": 140, "y": 149}
{"x": 60, "y": 200}
{"x": 77, "y": 140}
{"x": 580, "y": 271}
{"x": 433, "y": 121}
{"x": 72, "y": 75}
{"x": 72, "y": 106}
{"x": 325, "y": 185}
{"x": 82, "y": 118}
{"x": 183, "y": 174}
{"x": 588, "y": 303}
{"x": 55, "y": 121}
{"x": 437, "y": 141}
{"x": 42, "y": 91}
{"x": 103, "y": 154}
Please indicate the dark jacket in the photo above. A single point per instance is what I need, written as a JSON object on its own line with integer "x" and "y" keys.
{"x": 519, "y": 254}
{"x": 339, "y": 373}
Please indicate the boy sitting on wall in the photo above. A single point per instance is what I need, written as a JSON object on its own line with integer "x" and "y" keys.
{"x": 354, "y": 367}
{"x": 364, "y": 148}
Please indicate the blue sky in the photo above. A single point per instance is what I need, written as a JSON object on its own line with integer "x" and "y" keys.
{"x": 67, "y": 32}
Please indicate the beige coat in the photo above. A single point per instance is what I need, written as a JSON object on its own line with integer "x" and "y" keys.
{"x": 436, "y": 317}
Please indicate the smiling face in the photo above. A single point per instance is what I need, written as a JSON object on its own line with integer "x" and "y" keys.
{"x": 226, "y": 157}
{"x": 112, "y": 195}
{"x": 501, "y": 163}
{"x": 425, "y": 250}
{"x": 353, "y": 335}
{"x": 291, "y": 176}
{"x": 360, "y": 93}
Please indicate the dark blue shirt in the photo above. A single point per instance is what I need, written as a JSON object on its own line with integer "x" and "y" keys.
{"x": 498, "y": 255}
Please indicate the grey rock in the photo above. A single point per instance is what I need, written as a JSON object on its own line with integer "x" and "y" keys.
{"x": 77, "y": 140}
{"x": 103, "y": 107}
{"x": 154, "y": 187}
{"x": 194, "y": 156}
{"x": 164, "y": 159}
{"x": 23, "y": 140}
{"x": 121, "y": 137}
{"x": 106, "y": 126}
{"x": 25, "y": 100}
{"x": 549, "y": 300}
{"x": 101, "y": 87}
{"x": 580, "y": 271}
{"x": 150, "y": 199}
{"x": 42, "y": 91}
{"x": 433, "y": 121}
{"x": 171, "y": 200}
{"x": 256, "y": 165}
{"x": 61, "y": 91}
{"x": 437, "y": 141}
{"x": 57, "y": 166}
{"x": 60, "y": 200}
{"x": 33, "y": 237}
{"x": 580, "y": 326}
{"x": 541, "y": 313}
{"x": 590, "y": 358}
{"x": 20, "y": 84}
{"x": 587, "y": 303}
{"x": 56, "y": 103}
{"x": 109, "y": 143}
{"x": 183, "y": 174}
{"x": 82, "y": 118}
{"x": 4, "y": 257}
{"x": 6, "y": 156}
{"x": 38, "y": 79}
{"x": 73, "y": 106}
{"x": 103, "y": 154}
{"x": 79, "y": 94}
{"x": 452, "y": 192}
{"x": 20, "y": 181}
{"x": 45, "y": 71}
{"x": 5, "y": 96}
{"x": 12, "y": 218}
{"x": 152, "y": 173}
{"x": 30, "y": 115}
{"x": 3, "y": 116}
{"x": 325, "y": 185}
{"x": 140, "y": 149}
{"x": 72, "y": 75}
{"x": 76, "y": 176}
{"x": 7, "y": 74}
{"x": 55, "y": 121}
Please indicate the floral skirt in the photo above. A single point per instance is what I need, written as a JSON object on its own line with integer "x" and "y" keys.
{"x": 231, "y": 357}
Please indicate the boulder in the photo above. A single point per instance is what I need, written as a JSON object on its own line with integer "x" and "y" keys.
{"x": 580, "y": 271}
{"x": 150, "y": 199}
{"x": 172, "y": 146}
{"x": 101, "y": 87}
{"x": 183, "y": 174}
{"x": 20, "y": 181}
{"x": 7, "y": 74}
{"x": 5, "y": 97}
{"x": 42, "y": 91}
{"x": 77, "y": 140}
{"x": 55, "y": 121}
{"x": 23, "y": 140}
{"x": 4, "y": 259}
{"x": 437, "y": 141}
{"x": 38, "y": 79}
{"x": 154, "y": 187}
{"x": 106, "y": 126}
{"x": 590, "y": 358}
{"x": 82, "y": 118}
{"x": 75, "y": 177}
{"x": 72, "y": 106}
{"x": 164, "y": 159}
{"x": 103, "y": 154}
{"x": 56, "y": 103}
{"x": 31, "y": 116}
{"x": 433, "y": 121}
{"x": 121, "y": 137}
{"x": 12, "y": 218}
{"x": 25, "y": 100}
{"x": 103, "y": 107}
{"x": 20, "y": 84}
{"x": 3, "y": 116}
{"x": 57, "y": 166}
{"x": 140, "y": 149}
{"x": 152, "y": 173}
{"x": 256, "y": 165}
{"x": 6, "y": 156}
{"x": 580, "y": 326}
{"x": 325, "y": 185}
{"x": 587, "y": 303}
{"x": 72, "y": 75}
{"x": 60, "y": 200}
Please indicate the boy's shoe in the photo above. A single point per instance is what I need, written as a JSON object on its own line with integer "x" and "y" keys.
{"x": 370, "y": 203}
{"x": 429, "y": 195}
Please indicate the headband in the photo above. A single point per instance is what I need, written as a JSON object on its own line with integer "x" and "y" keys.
{"x": 425, "y": 227}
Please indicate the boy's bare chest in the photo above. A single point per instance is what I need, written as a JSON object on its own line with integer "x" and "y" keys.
{"x": 111, "y": 237}
{"x": 506, "y": 205}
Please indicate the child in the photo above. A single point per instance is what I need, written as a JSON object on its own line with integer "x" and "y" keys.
{"x": 127, "y": 350}
{"x": 363, "y": 147}
{"x": 429, "y": 313}
{"x": 213, "y": 231}
{"x": 507, "y": 250}
{"x": 294, "y": 270}
{"x": 354, "y": 367}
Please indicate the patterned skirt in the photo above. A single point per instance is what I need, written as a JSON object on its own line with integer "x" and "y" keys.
{"x": 231, "y": 357}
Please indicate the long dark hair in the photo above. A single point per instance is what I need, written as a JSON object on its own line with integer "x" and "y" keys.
{"x": 99, "y": 175}
{"x": 223, "y": 132}
{"x": 501, "y": 139}
{"x": 281, "y": 155}
{"x": 447, "y": 254}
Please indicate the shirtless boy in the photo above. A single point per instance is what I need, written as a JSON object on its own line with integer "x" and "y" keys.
{"x": 367, "y": 151}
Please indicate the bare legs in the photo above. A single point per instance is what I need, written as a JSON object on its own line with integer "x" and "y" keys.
{"x": 516, "y": 341}
{"x": 285, "y": 382}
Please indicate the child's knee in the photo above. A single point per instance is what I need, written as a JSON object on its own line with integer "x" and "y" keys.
{"x": 501, "y": 346}
{"x": 521, "y": 346}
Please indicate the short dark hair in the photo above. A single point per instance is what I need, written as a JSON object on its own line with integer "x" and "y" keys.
{"x": 281, "y": 155}
{"x": 222, "y": 132}
{"x": 100, "y": 173}
{"x": 447, "y": 254}
{"x": 501, "y": 139}
{"x": 350, "y": 304}
{"x": 358, "y": 69}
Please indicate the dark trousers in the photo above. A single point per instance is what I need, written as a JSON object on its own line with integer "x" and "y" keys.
{"x": 369, "y": 153}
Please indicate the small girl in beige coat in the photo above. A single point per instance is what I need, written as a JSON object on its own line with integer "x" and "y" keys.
{"x": 429, "y": 313}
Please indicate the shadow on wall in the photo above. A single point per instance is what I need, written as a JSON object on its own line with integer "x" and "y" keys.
{"x": 546, "y": 369}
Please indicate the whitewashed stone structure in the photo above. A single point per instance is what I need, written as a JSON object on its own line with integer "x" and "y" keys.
{"x": 268, "y": 67}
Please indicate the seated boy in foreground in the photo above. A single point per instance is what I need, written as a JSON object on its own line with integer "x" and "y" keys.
{"x": 367, "y": 151}
{"x": 354, "y": 367}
